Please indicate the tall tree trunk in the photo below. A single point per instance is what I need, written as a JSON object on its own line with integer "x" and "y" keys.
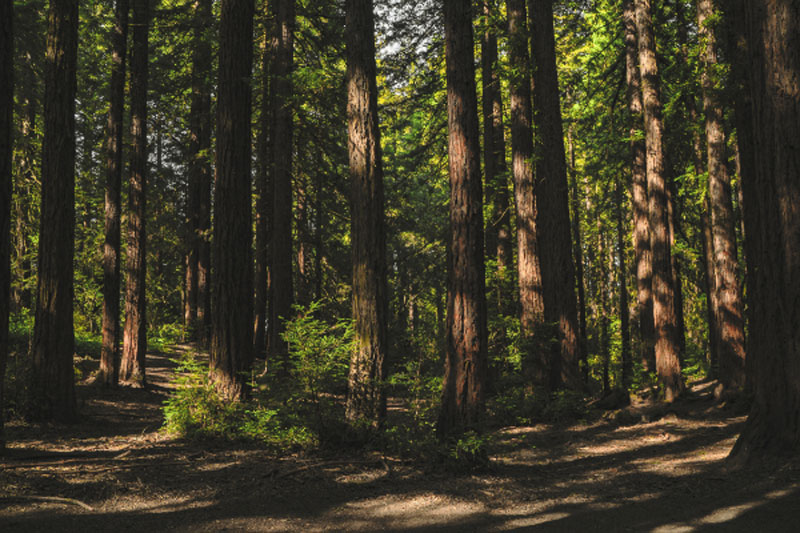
{"x": 498, "y": 230}
{"x": 109, "y": 356}
{"x": 667, "y": 343}
{"x": 624, "y": 312}
{"x": 772, "y": 194}
{"x": 53, "y": 337}
{"x": 578, "y": 254}
{"x": 528, "y": 271}
{"x": 552, "y": 200}
{"x": 6, "y": 181}
{"x": 604, "y": 307}
{"x": 281, "y": 285}
{"x": 232, "y": 285}
{"x": 134, "y": 347}
{"x": 730, "y": 319}
{"x": 641, "y": 224}
{"x": 263, "y": 190}
{"x": 366, "y": 398}
{"x": 199, "y": 171}
{"x": 466, "y": 359}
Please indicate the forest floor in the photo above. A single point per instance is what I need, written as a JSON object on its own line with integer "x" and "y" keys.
{"x": 647, "y": 468}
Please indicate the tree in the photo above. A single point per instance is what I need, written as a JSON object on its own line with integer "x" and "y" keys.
{"x": 134, "y": 347}
{"x": 365, "y": 395}
{"x": 53, "y": 336}
{"x": 197, "y": 298}
{"x": 552, "y": 203}
{"x": 729, "y": 312}
{"x": 109, "y": 357}
{"x": 6, "y": 180}
{"x": 281, "y": 290}
{"x": 232, "y": 285}
{"x": 667, "y": 345}
{"x": 768, "y": 38}
{"x": 465, "y": 363}
{"x": 528, "y": 271}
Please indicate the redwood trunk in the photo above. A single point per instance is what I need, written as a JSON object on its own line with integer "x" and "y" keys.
{"x": 134, "y": 347}
{"x": 109, "y": 356}
{"x": 552, "y": 201}
{"x": 366, "y": 399}
{"x": 466, "y": 360}
{"x": 53, "y": 337}
{"x": 729, "y": 310}
{"x": 665, "y": 321}
{"x": 528, "y": 271}
{"x": 281, "y": 284}
{"x": 232, "y": 286}
{"x": 641, "y": 225}
{"x": 6, "y": 123}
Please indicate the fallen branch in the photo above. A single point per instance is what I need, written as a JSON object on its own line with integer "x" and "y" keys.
{"x": 52, "y": 499}
{"x": 334, "y": 463}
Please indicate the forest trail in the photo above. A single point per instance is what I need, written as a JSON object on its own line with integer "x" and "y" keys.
{"x": 657, "y": 476}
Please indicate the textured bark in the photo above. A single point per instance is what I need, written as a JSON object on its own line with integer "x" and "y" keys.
{"x": 641, "y": 225}
{"x": 498, "y": 230}
{"x": 232, "y": 286}
{"x": 134, "y": 345}
{"x": 6, "y": 140}
{"x": 53, "y": 388}
{"x": 710, "y": 288}
{"x": 281, "y": 285}
{"x": 772, "y": 217}
{"x": 665, "y": 321}
{"x": 199, "y": 175}
{"x": 466, "y": 359}
{"x": 578, "y": 253}
{"x": 729, "y": 309}
{"x": 366, "y": 400}
{"x": 528, "y": 271}
{"x": 109, "y": 356}
{"x": 552, "y": 200}
{"x": 263, "y": 190}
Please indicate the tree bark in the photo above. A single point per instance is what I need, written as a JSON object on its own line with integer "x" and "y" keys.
{"x": 529, "y": 274}
{"x": 578, "y": 253}
{"x": 667, "y": 344}
{"x": 729, "y": 309}
{"x": 6, "y": 182}
{"x": 366, "y": 400}
{"x": 466, "y": 359}
{"x": 134, "y": 347}
{"x": 498, "y": 230}
{"x": 53, "y": 338}
{"x": 281, "y": 284}
{"x": 109, "y": 356}
{"x": 641, "y": 225}
{"x": 197, "y": 212}
{"x": 552, "y": 201}
{"x": 624, "y": 312}
{"x": 232, "y": 286}
{"x": 772, "y": 217}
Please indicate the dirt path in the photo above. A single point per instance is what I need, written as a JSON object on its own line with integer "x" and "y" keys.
{"x": 658, "y": 476}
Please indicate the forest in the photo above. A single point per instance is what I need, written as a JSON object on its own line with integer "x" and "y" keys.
{"x": 401, "y": 265}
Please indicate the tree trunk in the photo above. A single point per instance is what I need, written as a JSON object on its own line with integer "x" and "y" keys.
{"x": 134, "y": 347}
{"x": 281, "y": 285}
{"x": 578, "y": 253}
{"x": 263, "y": 191}
{"x": 552, "y": 201}
{"x": 730, "y": 319}
{"x": 366, "y": 400}
{"x": 498, "y": 230}
{"x": 6, "y": 151}
{"x": 466, "y": 359}
{"x": 53, "y": 338}
{"x": 772, "y": 194}
{"x": 624, "y": 312}
{"x": 109, "y": 356}
{"x": 641, "y": 225}
{"x": 667, "y": 344}
{"x": 232, "y": 286}
{"x": 528, "y": 271}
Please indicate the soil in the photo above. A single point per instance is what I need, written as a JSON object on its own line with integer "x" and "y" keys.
{"x": 648, "y": 468}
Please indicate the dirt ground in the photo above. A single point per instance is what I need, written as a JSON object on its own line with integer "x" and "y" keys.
{"x": 117, "y": 472}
